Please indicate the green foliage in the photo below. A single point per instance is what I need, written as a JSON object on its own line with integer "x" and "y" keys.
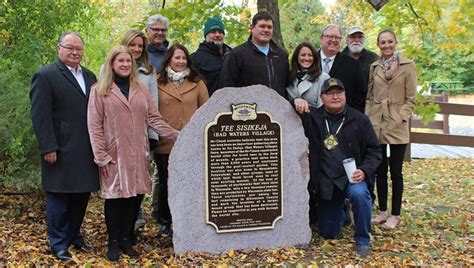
{"x": 30, "y": 29}
{"x": 296, "y": 22}
{"x": 187, "y": 20}
{"x": 18, "y": 149}
{"x": 425, "y": 109}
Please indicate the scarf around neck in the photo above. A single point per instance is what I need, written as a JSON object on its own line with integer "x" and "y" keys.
{"x": 177, "y": 77}
{"x": 390, "y": 66}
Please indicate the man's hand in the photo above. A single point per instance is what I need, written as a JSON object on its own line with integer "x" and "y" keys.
{"x": 104, "y": 171}
{"x": 358, "y": 176}
{"x": 301, "y": 105}
{"x": 50, "y": 157}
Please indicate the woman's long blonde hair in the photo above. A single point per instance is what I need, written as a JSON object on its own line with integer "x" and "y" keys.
{"x": 128, "y": 38}
{"x": 104, "y": 85}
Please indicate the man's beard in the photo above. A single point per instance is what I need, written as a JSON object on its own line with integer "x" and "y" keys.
{"x": 218, "y": 43}
{"x": 356, "y": 48}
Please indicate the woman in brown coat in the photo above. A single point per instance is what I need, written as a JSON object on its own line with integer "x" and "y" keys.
{"x": 390, "y": 101}
{"x": 120, "y": 110}
{"x": 181, "y": 91}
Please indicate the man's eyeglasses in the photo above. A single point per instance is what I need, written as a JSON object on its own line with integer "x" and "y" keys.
{"x": 332, "y": 37}
{"x": 158, "y": 30}
{"x": 337, "y": 93}
{"x": 71, "y": 49}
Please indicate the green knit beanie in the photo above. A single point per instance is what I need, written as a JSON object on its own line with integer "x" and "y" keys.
{"x": 213, "y": 24}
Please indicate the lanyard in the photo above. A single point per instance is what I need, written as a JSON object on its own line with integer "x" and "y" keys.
{"x": 339, "y": 128}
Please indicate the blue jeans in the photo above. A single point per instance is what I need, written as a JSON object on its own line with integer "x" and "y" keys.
{"x": 331, "y": 214}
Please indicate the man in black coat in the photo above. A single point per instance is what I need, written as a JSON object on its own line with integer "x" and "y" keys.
{"x": 209, "y": 57}
{"x": 337, "y": 132}
{"x": 342, "y": 67}
{"x": 257, "y": 61}
{"x": 59, "y": 96}
{"x": 355, "y": 49}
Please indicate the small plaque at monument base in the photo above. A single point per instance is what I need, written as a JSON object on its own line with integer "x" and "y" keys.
{"x": 243, "y": 170}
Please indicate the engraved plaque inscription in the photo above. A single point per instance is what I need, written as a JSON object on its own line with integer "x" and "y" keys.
{"x": 243, "y": 170}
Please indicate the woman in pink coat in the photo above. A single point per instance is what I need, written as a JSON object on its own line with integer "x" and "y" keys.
{"x": 119, "y": 112}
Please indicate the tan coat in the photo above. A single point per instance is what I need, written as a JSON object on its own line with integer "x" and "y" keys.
{"x": 390, "y": 102}
{"x": 177, "y": 105}
{"x": 118, "y": 132}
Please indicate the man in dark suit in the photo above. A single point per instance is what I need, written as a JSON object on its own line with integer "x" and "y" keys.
{"x": 342, "y": 67}
{"x": 59, "y": 96}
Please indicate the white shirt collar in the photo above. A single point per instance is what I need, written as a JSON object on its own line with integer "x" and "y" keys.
{"x": 75, "y": 71}
{"x": 324, "y": 56}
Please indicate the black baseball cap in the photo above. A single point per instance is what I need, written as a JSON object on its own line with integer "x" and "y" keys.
{"x": 330, "y": 83}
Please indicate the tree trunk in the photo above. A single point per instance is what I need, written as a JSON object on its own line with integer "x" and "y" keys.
{"x": 271, "y": 6}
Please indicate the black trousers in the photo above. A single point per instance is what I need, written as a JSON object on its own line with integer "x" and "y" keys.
{"x": 395, "y": 162}
{"x": 164, "y": 214}
{"x": 120, "y": 216}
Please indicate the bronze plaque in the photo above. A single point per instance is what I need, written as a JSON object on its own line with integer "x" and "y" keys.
{"x": 243, "y": 170}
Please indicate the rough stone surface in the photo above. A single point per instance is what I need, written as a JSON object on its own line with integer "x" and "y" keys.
{"x": 186, "y": 183}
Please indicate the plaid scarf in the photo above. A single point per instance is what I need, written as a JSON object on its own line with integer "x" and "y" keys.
{"x": 390, "y": 66}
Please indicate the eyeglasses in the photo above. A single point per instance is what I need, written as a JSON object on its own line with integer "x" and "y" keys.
{"x": 158, "y": 30}
{"x": 71, "y": 49}
{"x": 337, "y": 93}
{"x": 332, "y": 37}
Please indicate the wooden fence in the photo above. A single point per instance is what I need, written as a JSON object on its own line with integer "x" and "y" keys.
{"x": 444, "y": 138}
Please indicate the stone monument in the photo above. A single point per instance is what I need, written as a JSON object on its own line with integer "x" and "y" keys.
{"x": 238, "y": 175}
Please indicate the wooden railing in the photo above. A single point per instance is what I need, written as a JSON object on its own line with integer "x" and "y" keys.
{"x": 444, "y": 138}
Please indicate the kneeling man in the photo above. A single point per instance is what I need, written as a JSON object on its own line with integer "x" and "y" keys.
{"x": 337, "y": 132}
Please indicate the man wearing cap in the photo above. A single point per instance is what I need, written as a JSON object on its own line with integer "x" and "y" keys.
{"x": 336, "y": 132}
{"x": 156, "y": 30}
{"x": 342, "y": 67}
{"x": 209, "y": 57}
{"x": 257, "y": 61}
{"x": 355, "y": 49}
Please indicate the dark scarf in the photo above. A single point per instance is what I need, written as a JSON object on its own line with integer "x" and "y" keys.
{"x": 300, "y": 75}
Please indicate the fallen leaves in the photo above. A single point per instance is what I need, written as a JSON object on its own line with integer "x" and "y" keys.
{"x": 437, "y": 229}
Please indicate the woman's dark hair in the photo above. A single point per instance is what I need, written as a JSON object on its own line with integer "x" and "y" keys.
{"x": 194, "y": 75}
{"x": 313, "y": 71}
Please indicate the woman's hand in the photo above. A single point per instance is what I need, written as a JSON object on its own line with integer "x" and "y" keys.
{"x": 301, "y": 105}
{"x": 104, "y": 171}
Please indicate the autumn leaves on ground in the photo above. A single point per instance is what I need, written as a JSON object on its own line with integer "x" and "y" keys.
{"x": 437, "y": 229}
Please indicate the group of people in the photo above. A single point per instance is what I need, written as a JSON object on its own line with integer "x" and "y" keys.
{"x": 101, "y": 135}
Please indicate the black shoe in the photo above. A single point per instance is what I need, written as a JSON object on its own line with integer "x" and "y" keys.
{"x": 84, "y": 246}
{"x": 113, "y": 251}
{"x": 127, "y": 249}
{"x": 63, "y": 255}
{"x": 165, "y": 230}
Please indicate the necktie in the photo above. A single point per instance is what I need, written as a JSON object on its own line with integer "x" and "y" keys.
{"x": 326, "y": 64}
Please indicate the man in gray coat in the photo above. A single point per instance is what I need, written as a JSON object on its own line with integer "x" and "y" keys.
{"x": 59, "y": 96}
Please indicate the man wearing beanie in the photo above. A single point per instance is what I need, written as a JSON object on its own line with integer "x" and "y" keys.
{"x": 209, "y": 57}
